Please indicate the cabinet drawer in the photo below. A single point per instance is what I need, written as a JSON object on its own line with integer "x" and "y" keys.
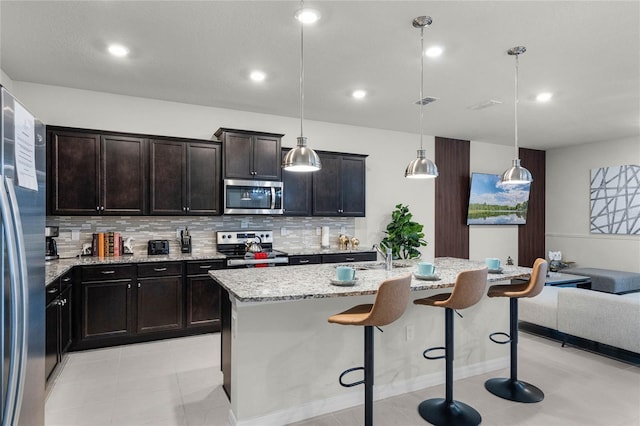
{"x": 311, "y": 259}
{"x": 111, "y": 272}
{"x": 201, "y": 267}
{"x": 349, "y": 257}
{"x": 53, "y": 291}
{"x": 159, "y": 269}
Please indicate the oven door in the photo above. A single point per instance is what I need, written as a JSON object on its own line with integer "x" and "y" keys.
{"x": 252, "y": 197}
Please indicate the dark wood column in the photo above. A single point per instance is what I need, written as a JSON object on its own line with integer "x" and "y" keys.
{"x": 452, "y": 195}
{"x": 531, "y": 236}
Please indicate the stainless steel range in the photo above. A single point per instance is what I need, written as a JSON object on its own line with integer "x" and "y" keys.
{"x": 247, "y": 248}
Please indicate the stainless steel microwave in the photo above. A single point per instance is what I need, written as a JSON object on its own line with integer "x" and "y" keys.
{"x": 252, "y": 197}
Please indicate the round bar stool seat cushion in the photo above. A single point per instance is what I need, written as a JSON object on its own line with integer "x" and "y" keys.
{"x": 467, "y": 291}
{"x": 528, "y": 289}
{"x": 391, "y": 301}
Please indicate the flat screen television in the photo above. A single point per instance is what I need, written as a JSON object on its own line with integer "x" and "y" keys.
{"x": 491, "y": 203}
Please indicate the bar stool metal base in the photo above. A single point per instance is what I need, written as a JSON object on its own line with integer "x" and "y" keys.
{"x": 440, "y": 412}
{"x": 514, "y": 390}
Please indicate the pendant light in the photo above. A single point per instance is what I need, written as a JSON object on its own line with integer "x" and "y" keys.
{"x": 421, "y": 167}
{"x": 516, "y": 174}
{"x": 301, "y": 158}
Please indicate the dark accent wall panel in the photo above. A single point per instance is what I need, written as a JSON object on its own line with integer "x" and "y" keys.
{"x": 531, "y": 236}
{"x": 452, "y": 195}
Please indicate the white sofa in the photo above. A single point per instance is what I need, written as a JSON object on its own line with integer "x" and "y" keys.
{"x": 606, "y": 318}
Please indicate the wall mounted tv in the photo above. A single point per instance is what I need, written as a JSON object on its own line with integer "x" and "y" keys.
{"x": 491, "y": 203}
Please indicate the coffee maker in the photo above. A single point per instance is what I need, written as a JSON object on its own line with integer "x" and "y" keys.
{"x": 51, "y": 247}
{"x": 185, "y": 241}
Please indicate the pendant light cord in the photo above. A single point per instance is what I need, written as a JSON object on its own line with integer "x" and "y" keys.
{"x": 515, "y": 105}
{"x": 301, "y": 71}
{"x": 421, "y": 82}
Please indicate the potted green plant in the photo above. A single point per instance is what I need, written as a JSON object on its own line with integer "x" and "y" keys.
{"x": 404, "y": 236}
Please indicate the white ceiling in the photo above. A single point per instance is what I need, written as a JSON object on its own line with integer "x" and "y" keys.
{"x": 200, "y": 52}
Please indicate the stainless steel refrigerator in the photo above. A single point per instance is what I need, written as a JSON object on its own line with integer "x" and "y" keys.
{"x": 22, "y": 244}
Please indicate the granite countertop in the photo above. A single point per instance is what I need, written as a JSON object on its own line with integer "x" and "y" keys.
{"x": 314, "y": 281}
{"x": 312, "y": 251}
{"x": 56, "y": 268}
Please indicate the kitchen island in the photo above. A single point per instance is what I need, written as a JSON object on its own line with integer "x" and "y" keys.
{"x": 283, "y": 358}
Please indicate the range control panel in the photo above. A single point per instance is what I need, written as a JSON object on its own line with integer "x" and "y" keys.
{"x": 241, "y": 237}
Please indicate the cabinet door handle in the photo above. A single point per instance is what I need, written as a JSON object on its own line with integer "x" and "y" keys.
{"x": 159, "y": 269}
{"x": 108, "y": 272}
{"x": 66, "y": 280}
{"x": 52, "y": 290}
{"x": 205, "y": 266}
{"x": 304, "y": 261}
{"x": 188, "y": 208}
{"x": 184, "y": 209}
{"x": 350, "y": 259}
{"x": 102, "y": 208}
{"x": 138, "y": 285}
{"x": 128, "y": 285}
{"x": 98, "y": 208}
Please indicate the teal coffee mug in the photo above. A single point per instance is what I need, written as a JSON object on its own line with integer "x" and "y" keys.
{"x": 345, "y": 273}
{"x": 493, "y": 263}
{"x": 426, "y": 268}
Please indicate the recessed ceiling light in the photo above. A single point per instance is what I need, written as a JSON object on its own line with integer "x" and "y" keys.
{"x": 544, "y": 97}
{"x": 118, "y": 50}
{"x": 257, "y": 76}
{"x": 434, "y": 51}
{"x": 307, "y": 16}
{"x": 359, "y": 94}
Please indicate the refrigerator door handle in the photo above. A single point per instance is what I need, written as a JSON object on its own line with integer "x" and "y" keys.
{"x": 9, "y": 412}
{"x": 24, "y": 293}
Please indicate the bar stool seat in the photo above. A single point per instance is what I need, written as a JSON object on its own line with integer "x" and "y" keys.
{"x": 390, "y": 303}
{"x": 468, "y": 290}
{"x": 511, "y": 388}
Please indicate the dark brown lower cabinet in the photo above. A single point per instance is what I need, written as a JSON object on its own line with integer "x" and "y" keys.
{"x": 107, "y": 309}
{"x": 203, "y": 295}
{"x": 159, "y": 297}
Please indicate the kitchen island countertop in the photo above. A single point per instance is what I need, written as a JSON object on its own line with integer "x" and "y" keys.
{"x": 314, "y": 281}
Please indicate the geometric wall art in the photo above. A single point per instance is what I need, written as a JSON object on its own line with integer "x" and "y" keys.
{"x": 615, "y": 200}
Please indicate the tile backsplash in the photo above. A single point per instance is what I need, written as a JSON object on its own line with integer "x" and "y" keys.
{"x": 299, "y": 232}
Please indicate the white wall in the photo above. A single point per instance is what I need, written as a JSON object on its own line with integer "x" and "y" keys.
{"x": 6, "y": 81}
{"x": 389, "y": 152}
{"x": 568, "y": 206}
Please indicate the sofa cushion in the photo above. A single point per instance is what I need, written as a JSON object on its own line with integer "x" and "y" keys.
{"x": 542, "y": 309}
{"x": 609, "y": 281}
{"x": 606, "y": 318}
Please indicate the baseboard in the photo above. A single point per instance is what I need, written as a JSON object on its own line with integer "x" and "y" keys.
{"x": 352, "y": 398}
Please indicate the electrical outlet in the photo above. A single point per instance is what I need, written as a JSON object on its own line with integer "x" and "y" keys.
{"x": 283, "y": 231}
{"x": 244, "y": 225}
{"x": 75, "y": 235}
{"x": 178, "y": 230}
{"x": 410, "y": 332}
{"x": 343, "y": 230}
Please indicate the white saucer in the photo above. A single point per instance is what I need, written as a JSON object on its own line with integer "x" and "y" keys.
{"x": 495, "y": 271}
{"x": 433, "y": 277}
{"x": 343, "y": 283}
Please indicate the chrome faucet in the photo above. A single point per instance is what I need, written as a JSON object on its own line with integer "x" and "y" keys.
{"x": 388, "y": 256}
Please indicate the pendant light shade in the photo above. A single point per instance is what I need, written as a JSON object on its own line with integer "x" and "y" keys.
{"x": 301, "y": 158}
{"x": 421, "y": 167}
{"x": 516, "y": 174}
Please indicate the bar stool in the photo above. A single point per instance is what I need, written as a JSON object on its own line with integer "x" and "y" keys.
{"x": 467, "y": 291}
{"x": 511, "y": 388}
{"x": 390, "y": 303}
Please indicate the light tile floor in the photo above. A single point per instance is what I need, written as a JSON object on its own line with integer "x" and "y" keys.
{"x": 178, "y": 382}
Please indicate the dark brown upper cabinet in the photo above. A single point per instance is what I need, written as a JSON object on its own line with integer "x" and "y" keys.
{"x": 184, "y": 177}
{"x": 339, "y": 187}
{"x": 250, "y": 155}
{"x": 93, "y": 173}
{"x": 296, "y": 196}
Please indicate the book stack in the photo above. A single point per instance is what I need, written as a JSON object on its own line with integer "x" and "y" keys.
{"x": 107, "y": 244}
